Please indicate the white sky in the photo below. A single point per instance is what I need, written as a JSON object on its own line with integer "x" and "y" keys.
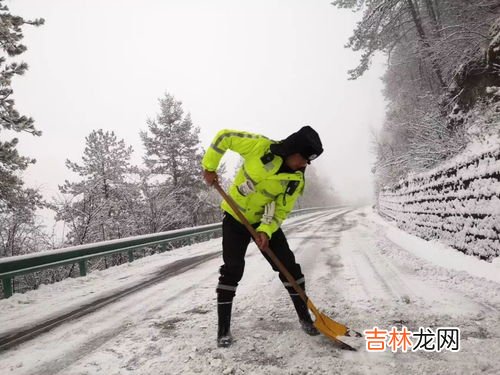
{"x": 267, "y": 67}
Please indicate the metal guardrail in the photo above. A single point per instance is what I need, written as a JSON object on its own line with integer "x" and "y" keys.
{"x": 24, "y": 264}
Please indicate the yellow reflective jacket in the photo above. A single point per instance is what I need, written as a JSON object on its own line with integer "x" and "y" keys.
{"x": 283, "y": 188}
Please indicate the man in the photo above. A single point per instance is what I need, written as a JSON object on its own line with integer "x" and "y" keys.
{"x": 265, "y": 189}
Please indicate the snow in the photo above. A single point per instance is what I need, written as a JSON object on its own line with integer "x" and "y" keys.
{"x": 360, "y": 270}
{"x": 457, "y": 202}
{"x": 440, "y": 254}
{"x": 493, "y": 89}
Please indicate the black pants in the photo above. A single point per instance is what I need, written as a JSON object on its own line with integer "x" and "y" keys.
{"x": 235, "y": 240}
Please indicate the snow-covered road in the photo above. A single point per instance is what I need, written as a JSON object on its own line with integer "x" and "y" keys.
{"x": 359, "y": 270}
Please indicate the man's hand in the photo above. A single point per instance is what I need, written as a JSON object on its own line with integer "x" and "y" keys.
{"x": 262, "y": 241}
{"x": 210, "y": 177}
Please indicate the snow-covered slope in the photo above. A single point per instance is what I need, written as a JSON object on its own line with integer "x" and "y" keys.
{"x": 359, "y": 270}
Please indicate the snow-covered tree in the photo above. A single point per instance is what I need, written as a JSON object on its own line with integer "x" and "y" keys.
{"x": 161, "y": 206}
{"x": 436, "y": 66}
{"x": 20, "y": 232}
{"x": 439, "y": 34}
{"x": 11, "y": 162}
{"x": 173, "y": 154}
{"x": 97, "y": 207}
{"x": 172, "y": 144}
{"x": 413, "y": 140}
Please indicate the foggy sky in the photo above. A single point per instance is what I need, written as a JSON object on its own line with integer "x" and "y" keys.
{"x": 266, "y": 67}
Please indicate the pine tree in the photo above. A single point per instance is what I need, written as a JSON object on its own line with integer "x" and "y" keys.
{"x": 173, "y": 154}
{"x": 10, "y": 119}
{"x": 98, "y": 207}
{"x": 172, "y": 148}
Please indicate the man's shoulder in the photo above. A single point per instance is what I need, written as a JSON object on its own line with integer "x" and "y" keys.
{"x": 262, "y": 145}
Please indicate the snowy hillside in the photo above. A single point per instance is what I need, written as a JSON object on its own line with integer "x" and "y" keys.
{"x": 359, "y": 270}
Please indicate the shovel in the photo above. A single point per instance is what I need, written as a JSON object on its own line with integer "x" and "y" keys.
{"x": 327, "y": 326}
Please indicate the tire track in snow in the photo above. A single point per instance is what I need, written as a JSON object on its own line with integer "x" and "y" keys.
{"x": 13, "y": 338}
{"x": 315, "y": 219}
{"x": 97, "y": 341}
{"x": 87, "y": 335}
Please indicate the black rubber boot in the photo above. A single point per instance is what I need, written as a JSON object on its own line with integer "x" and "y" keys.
{"x": 224, "y": 338}
{"x": 304, "y": 316}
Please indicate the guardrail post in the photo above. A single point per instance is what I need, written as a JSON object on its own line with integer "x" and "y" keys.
{"x": 7, "y": 287}
{"x": 130, "y": 255}
{"x": 82, "y": 265}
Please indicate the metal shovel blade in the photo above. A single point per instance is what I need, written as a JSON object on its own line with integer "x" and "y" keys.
{"x": 330, "y": 328}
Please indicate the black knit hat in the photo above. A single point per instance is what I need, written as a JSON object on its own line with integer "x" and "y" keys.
{"x": 305, "y": 142}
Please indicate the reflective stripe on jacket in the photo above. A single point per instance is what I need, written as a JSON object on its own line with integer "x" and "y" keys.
{"x": 269, "y": 185}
